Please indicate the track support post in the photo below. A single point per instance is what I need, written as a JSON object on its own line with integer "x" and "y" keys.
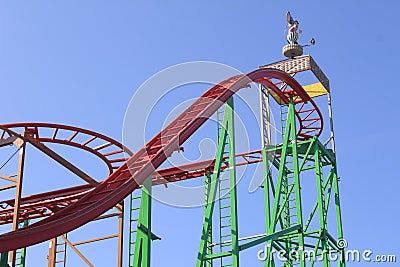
{"x": 142, "y": 254}
{"x": 18, "y": 195}
{"x": 299, "y": 245}
{"x": 213, "y": 186}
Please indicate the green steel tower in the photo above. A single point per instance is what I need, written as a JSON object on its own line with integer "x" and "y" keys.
{"x": 303, "y": 224}
{"x": 296, "y": 227}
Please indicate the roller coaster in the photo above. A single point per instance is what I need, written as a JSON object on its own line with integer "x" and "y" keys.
{"x": 287, "y": 230}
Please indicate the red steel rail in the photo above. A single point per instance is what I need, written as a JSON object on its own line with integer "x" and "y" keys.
{"x": 45, "y": 204}
{"x": 42, "y": 205}
{"x": 141, "y": 165}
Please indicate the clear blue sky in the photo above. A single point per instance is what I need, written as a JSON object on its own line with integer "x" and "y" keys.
{"x": 79, "y": 63}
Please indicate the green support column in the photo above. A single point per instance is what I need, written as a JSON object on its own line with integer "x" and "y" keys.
{"x": 267, "y": 188}
{"x": 211, "y": 198}
{"x": 232, "y": 175}
{"x": 144, "y": 234}
{"x": 321, "y": 207}
{"x": 342, "y": 262}
{"x": 291, "y": 160}
{"x": 286, "y": 232}
{"x": 226, "y": 134}
{"x": 277, "y": 205}
{"x": 296, "y": 172}
{"x": 207, "y": 183}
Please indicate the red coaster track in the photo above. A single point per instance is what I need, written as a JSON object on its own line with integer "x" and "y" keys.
{"x": 141, "y": 165}
{"x": 45, "y": 204}
{"x": 107, "y": 149}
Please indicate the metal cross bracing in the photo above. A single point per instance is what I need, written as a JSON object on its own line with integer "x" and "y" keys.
{"x": 227, "y": 203}
{"x": 221, "y": 190}
{"x": 40, "y": 205}
{"x": 110, "y": 151}
{"x": 21, "y": 209}
{"x": 285, "y": 226}
{"x": 287, "y": 222}
{"x": 284, "y": 204}
{"x": 289, "y": 229}
{"x": 57, "y": 255}
{"x": 44, "y": 204}
{"x": 142, "y": 164}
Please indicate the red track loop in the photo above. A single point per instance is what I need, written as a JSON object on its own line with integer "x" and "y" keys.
{"x": 307, "y": 112}
{"x": 106, "y": 148}
{"x": 130, "y": 175}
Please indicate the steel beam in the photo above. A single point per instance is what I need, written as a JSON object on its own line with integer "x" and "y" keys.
{"x": 61, "y": 160}
{"x": 142, "y": 255}
{"x": 18, "y": 193}
{"x": 201, "y": 256}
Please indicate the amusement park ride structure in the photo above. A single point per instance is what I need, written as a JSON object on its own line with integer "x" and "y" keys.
{"x": 289, "y": 228}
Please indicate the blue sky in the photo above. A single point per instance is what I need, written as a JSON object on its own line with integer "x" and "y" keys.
{"x": 79, "y": 63}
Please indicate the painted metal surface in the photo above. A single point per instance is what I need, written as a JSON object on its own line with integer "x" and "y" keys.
{"x": 315, "y": 89}
{"x": 287, "y": 226}
{"x": 141, "y": 165}
{"x": 87, "y": 140}
{"x": 223, "y": 187}
{"x": 44, "y": 204}
{"x": 300, "y": 64}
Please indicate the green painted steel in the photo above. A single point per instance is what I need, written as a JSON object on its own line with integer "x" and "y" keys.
{"x": 224, "y": 198}
{"x": 321, "y": 207}
{"x": 286, "y": 230}
{"x": 134, "y": 214}
{"x": 207, "y": 185}
{"x": 225, "y": 187}
{"x": 232, "y": 177}
{"x": 282, "y": 192}
{"x": 201, "y": 257}
{"x": 342, "y": 262}
{"x": 284, "y": 206}
{"x": 296, "y": 172}
{"x": 144, "y": 236}
{"x": 301, "y": 237}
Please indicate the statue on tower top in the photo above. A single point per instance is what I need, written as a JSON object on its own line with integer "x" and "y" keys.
{"x": 293, "y": 32}
{"x": 293, "y": 49}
